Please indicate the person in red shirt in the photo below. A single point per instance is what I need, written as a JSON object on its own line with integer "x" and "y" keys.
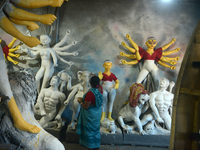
{"x": 109, "y": 89}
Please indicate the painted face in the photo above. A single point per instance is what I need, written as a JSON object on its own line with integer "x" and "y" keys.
{"x": 143, "y": 98}
{"x": 107, "y": 65}
{"x": 45, "y": 40}
{"x": 151, "y": 43}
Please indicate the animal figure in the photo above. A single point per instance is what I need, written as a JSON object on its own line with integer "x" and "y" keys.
{"x": 136, "y": 105}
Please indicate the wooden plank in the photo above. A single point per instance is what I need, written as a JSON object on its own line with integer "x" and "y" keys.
{"x": 190, "y": 91}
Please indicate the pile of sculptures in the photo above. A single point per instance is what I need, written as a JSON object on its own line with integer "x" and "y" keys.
{"x": 145, "y": 112}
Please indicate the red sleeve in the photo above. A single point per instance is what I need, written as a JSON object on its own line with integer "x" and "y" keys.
{"x": 90, "y": 97}
{"x": 141, "y": 51}
{"x": 158, "y": 54}
{"x": 114, "y": 77}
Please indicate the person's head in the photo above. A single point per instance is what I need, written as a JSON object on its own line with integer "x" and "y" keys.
{"x": 94, "y": 81}
{"x": 45, "y": 39}
{"x": 55, "y": 80}
{"x": 107, "y": 64}
{"x": 151, "y": 42}
{"x": 164, "y": 83}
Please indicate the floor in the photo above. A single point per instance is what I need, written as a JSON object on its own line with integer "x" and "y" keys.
{"x": 70, "y": 146}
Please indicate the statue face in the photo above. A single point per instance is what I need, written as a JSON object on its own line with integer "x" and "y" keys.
{"x": 107, "y": 65}
{"x": 143, "y": 98}
{"x": 54, "y": 80}
{"x": 151, "y": 43}
{"x": 164, "y": 83}
{"x": 45, "y": 40}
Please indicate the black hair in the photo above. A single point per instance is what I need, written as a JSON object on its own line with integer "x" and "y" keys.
{"x": 94, "y": 81}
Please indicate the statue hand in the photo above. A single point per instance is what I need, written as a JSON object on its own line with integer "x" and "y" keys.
{"x": 123, "y": 44}
{"x": 55, "y": 65}
{"x": 124, "y": 61}
{"x": 142, "y": 132}
{"x": 74, "y": 42}
{"x": 100, "y": 75}
{"x": 128, "y": 36}
{"x": 121, "y": 53}
{"x": 66, "y": 102}
{"x": 68, "y": 32}
{"x": 71, "y": 63}
{"x": 58, "y": 117}
{"x": 160, "y": 120}
{"x": 173, "y": 40}
{"x": 172, "y": 67}
{"x": 75, "y": 53}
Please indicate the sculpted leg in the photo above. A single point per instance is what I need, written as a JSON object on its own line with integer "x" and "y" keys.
{"x": 146, "y": 119}
{"x": 8, "y": 27}
{"x": 142, "y": 75}
{"x": 29, "y": 24}
{"x": 155, "y": 75}
{"x": 38, "y": 78}
{"x": 19, "y": 122}
{"x": 104, "y": 105}
{"x": 38, "y": 3}
{"x": 112, "y": 95}
{"x": 20, "y": 14}
{"x": 167, "y": 121}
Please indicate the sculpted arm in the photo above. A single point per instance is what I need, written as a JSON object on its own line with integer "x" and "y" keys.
{"x": 72, "y": 94}
{"x": 153, "y": 106}
{"x": 128, "y": 55}
{"x": 116, "y": 86}
{"x": 40, "y": 103}
{"x": 54, "y": 57}
{"x": 166, "y": 65}
{"x": 167, "y": 45}
{"x": 132, "y": 42}
{"x": 170, "y": 52}
{"x": 137, "y": 120}
{"x": 64, "y": 39}
{"x": 62, "y": 107}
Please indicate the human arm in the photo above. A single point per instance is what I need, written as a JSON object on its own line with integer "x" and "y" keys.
{"x": 132, "y": 42}
{"x": 116, "y": 86}
{"x": 66, "y": 53}
{"x": 130, "y": 62}
{"x": 132, "y": 56}
{"x": 171, "y": 85}
{"x": 166, "y": 65}
{"x": 154, "y": 108}
{"x": 165, "y": 59}
{"x": 54, "y": 57}
{"x": 167, "y": 45}
{"x": 72, "y": 94}
{"x": 84, "y": 104}
{"x": 100, "y": 75}
{"x": 62, "y": 107}
{"x": 170, "y": 52}
{"x": 64, "y": 39}
{"x": 40, "y": 103}
{"x": 65, "y": 47}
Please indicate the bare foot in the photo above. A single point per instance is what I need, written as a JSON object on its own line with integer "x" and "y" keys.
{"x": 111, "y": 119}
{"x": 56, "y": 3}
{"x": 23, "y": 125}
{"x": 31, "y": 41}
{"x": 47, "y": 19}
{"x": 32, "y": 26}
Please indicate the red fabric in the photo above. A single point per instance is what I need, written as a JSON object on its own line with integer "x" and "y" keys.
{"x": 90, "y": 96}
{"x": 155, "y": 56}
{"x": 109, "y": 78}
{"x": 6, "y": 50}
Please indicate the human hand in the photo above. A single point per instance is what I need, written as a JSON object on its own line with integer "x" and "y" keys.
{"x": 75, "y": 53}
{"x": 142, "y": 132}
{"x": 80, "y": 99}
{"x": 66, "y": 102}
{"x": 74, "y": 42}
{"x": 58, "y": 117}
{"x": 121, "y": 53}
{"x": 55, "y": 65}
{"x": 128, "y": 36}
{"x": 68, "y": 32}
{"x": 123, "y": 44}
{"x": 173, "y": 40}
{"x": 124, "y": 61}
{"x": 100, "y": 75}
{"x": 171, "y": 84}
{"x": 172, "y": 67}
{"x": 160, "y": 120}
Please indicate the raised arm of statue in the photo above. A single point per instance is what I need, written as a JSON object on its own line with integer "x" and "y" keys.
{"x": 65, "y": 47}
{"x": 132, "y": 56}
{"x": 170, "y": 43}
{"x": 64, "y": 39}
{"x": 170, "y": 52}
{"x": 166, "y": 65}
{"x": 132, "y": 42}
{"x": 71, "y": 95}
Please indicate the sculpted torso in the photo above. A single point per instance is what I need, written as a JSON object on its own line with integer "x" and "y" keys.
{"x": 45, "y": 57}
{"x": 51, "y": 99}
{"x": 163, "y": 101}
